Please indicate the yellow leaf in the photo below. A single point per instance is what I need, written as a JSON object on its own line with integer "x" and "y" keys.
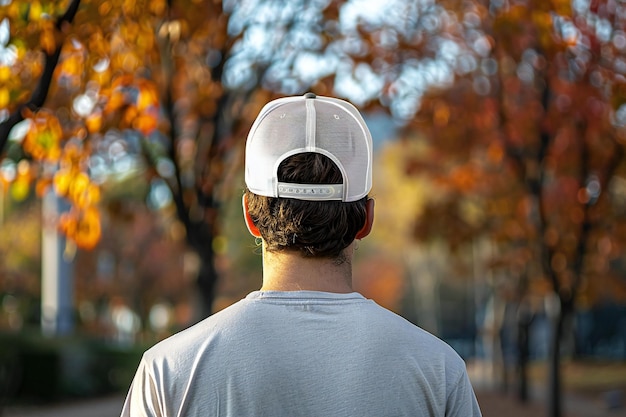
{"x": 562, "y": 7}
{"x": 89, "y": 196}
{"x": 145, "y": 99}
{"x": 13, "y": 11}
{"x": 129, "y": 115}
{"x": 145, "y": 123}
{"x": 105, "y": 8}
{"x": 94, "y": 193}
{"x": 5, "y": 97}
{"x": 5, "y": 73}
{"x": 34, "y": 12}
{"x": 129, "y": 7}
{"x": 44, "y": 136}
{"x": 72, "y": 155}
{"x": 116, "y": 100}
{"x": 73, "y": 66}
{"x": 19, "y": 189}
{"x": 61, "y": 181}
{"x": 78, "y": 186}
{"x": 47, "y": 41}
{"x": 94, "y": 122}
{"x": 88, "y": 230}
{"x": 158, "y": 7}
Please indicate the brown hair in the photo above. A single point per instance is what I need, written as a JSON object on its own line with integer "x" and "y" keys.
{"x": 314, "y": 228}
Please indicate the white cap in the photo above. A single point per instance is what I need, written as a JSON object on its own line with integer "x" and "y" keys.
{"x": 325, "y": 125}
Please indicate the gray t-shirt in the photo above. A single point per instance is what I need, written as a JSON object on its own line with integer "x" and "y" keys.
{"x": 301, "y": 353}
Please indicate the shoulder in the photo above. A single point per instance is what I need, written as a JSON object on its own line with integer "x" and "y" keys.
{"x": 395, "y": 326}
{"x": 202, "y": 334}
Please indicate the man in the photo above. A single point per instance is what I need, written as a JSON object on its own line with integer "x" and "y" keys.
{"x": 305, "y": 344}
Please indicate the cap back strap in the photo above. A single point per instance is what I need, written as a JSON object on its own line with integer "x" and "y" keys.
{"x": 313, "y": 192}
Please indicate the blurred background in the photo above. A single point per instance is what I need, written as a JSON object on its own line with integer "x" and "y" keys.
{"x": 500, "y": 181}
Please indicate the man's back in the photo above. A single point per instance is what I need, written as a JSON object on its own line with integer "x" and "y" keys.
{"x": 303, "y": 354}
{"x": 287, "y": 352}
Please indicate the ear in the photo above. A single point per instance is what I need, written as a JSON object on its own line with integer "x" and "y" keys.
{"x": 246, "y": 216}
{"x": 369, "y": 220}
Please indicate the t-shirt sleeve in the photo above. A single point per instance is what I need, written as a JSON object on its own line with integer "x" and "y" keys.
{"x": 143, "y": 396}
{"x": 462, "y": 400}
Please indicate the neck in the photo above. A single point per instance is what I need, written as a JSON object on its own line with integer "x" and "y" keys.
{"x": 289, "y": 271}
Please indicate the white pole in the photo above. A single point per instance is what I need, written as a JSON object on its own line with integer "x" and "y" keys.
{"x": 57, "y": 272}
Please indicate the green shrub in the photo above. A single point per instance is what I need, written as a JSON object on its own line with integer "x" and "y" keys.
{"x": 37, "y": 369}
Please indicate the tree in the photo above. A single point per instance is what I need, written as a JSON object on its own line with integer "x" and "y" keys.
{"x": 95, "y": 91}
{"x": 537, "y": 103}
{"x": 160, "y": 88}
{"x": 102, "y": 82}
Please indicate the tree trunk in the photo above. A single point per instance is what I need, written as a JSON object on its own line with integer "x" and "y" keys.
{"x": 206, "y": 280}
{"x": 554, "y": 371}
{"x": 559, "y": 311}
{"x": 200, "y": 234}
{"x": 524, "y": 321}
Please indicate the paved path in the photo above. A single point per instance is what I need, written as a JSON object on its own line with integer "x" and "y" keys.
{"x": 494, "y": 403}
{"x": 100, "y": 407}
{"x": 497, "y": 404}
